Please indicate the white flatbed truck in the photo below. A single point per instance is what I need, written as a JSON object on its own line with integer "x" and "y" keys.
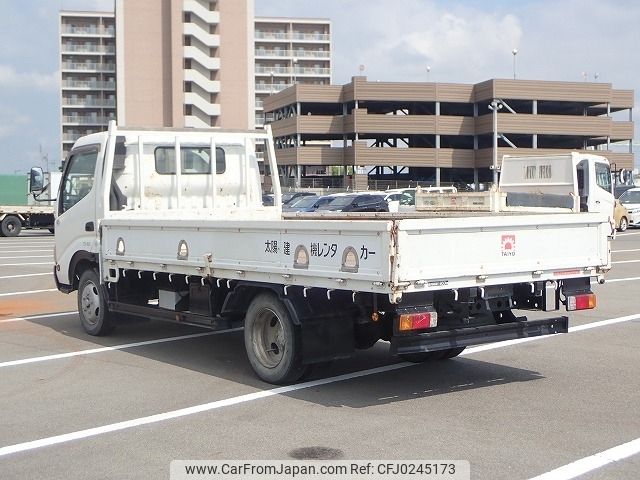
{"x": 150, "y": 224}
{"x": 39, "y": 213}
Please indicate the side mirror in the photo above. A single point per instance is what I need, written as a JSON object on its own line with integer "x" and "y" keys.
{"x": 36, "y": 180}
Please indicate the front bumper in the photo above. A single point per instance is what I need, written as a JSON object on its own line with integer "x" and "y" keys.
{"x": 61, "y": 286}
{"x": 463, "y": 337}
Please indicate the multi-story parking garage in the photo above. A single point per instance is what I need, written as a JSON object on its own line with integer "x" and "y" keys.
{"x": 441, "y": 132}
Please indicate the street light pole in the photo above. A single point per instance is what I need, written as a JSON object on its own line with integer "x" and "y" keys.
{"x": 514, "y": 52}
{"x": 494, "y": 106}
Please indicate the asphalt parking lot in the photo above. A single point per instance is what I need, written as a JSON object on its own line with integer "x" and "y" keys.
{"x": 124, "y": 406}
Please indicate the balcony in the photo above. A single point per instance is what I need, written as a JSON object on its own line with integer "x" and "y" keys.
{"x": 91, "y": 30}
{"x": 88, "y": 85}
{"x": 85, "y": 120}
{"x": 89, "y": 66}
{"x": 301, "y": 71}
{"x": 296, "y": 36}
{"x": 262, "y": 53}
{"x": 89, "y": 102}
{"x": 271, "y": 88}
{"x": 89, "y": 49}
{"x": 311, "y": 37}
{"x": 71, "y": 137}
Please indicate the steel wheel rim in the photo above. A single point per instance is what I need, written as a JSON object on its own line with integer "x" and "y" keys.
{"x": 623, "y": 224}
{"x": 268, "y": 338}
{"x": 90, "y": 303}
{"x": 11, "y": 226}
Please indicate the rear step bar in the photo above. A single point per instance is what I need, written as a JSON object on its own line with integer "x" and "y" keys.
{"x": 462, "y": 337}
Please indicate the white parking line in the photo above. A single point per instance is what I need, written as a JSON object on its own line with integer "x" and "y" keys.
{"x": 28, "y": 293}
{"x": 27, "y": 243}
{"x": 627, "y": 234}
{"x": 23, "y": 264}
{"x": 92, "y": 351}
{"x": 25, "y": 251}
{"x": 588, "y": 464}
{"x": 206, "y": 407}
{"x": 628, "y": 279}
{"x": 27, "y": 275}
{"x": 35, "y": 317}
{"x": 625, "y": 261}
{"x": 621, "y": 251}
{"x": 24, "y": 256}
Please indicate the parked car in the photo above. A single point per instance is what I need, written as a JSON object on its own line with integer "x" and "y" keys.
{"x": 288, "y": 197}
{"x": 267, "y": 199}
{"x": 631, "y": 201}
{"x": 405, "y": 196}
{"x": 620, "y": 216}
{"x": 620, "y": 189}
{"x": 357, "y": 202}
{"x": 307, "y": 203}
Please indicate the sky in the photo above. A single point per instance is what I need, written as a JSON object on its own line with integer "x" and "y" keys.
{"x": 453, "y": 41}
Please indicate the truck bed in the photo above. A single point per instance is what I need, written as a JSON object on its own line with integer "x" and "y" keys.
{"x": 388, "y": 253}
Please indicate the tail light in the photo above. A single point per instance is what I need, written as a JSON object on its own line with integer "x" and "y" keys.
{"x": 417, "y": 321}
{"x": 585, "y": 301}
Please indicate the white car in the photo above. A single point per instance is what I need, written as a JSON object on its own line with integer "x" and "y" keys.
{"x": 631, "y": 201}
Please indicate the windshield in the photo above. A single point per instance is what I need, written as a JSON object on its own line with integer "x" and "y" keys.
{"x": 78, "y": 178}
{"x": 304, "y": 202}
{"x": 341, "y": 201}
{"x": 630, "y": 196}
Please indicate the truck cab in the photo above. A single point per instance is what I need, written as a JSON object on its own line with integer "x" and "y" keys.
{"x": 582, "y": 180}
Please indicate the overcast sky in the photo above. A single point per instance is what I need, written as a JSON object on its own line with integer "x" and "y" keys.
{"x": 461, "y": 41}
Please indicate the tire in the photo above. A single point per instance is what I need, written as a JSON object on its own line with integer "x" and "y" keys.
{"x": 624, "y": 223}
{"x": 272, "y": 341}
{"x": 422, "y": 357}
{"x": 452, "y": 352}
{"x": 92, "y": 304}
{"x": 10, "y": 226}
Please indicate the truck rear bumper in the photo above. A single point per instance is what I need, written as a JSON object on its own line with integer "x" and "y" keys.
{"x": 462, "y": 337}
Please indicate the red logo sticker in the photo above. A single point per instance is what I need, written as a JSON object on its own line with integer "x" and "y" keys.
{"x": 508, "y": 245}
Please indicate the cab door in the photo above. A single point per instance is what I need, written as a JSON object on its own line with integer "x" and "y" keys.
{"x": 76, "y": 229}
{"x": 601, "y": 197}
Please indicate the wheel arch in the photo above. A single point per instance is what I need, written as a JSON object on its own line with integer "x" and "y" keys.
{"x": 81, "y": 261}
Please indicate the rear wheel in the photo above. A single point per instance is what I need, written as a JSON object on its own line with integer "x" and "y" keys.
{"x": 10, "y": 226}
{"x": 92, "y": 304}
{"x": 272, "y": 341}
{"x": 624, "y": 223}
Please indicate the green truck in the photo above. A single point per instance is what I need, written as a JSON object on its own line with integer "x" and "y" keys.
{"x": 20, "y": 210}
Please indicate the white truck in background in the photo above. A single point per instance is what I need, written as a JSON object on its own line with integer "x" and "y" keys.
{"x": 38, "y": 210}
{"x": 574, "y": 182}
{"x": 150, "y": 223}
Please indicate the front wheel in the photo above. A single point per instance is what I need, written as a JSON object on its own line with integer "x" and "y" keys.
{"x": 92, "y": 304}
{"x": 272, "y": 341}
{"x": 10, "y": 226}
{"x": 624, "y": 223}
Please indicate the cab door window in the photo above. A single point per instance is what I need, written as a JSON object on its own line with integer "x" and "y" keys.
{"x": 78, "y": 178}
{"x": 603, "y": 176}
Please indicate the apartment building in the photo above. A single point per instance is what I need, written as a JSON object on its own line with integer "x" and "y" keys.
{"x": 289, "y": 51}
{"x": 397, "y": 132}
{"x": 185, "y": 63}
{"x": 88, "y": 74}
